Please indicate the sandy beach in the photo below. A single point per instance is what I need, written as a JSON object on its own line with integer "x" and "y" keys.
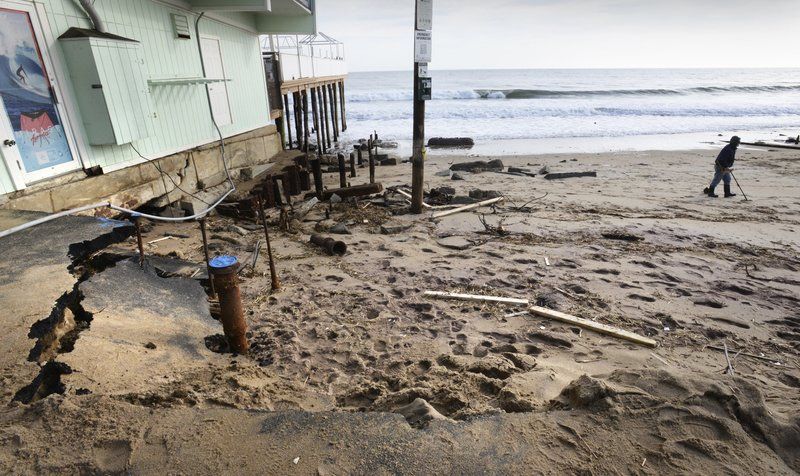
{"x": 353, "y": 370}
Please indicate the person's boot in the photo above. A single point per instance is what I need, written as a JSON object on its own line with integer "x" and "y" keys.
{"x": 710, "y": 192}
{"x": 728, "y": 191}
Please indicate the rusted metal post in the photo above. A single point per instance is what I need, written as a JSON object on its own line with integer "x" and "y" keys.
{"x": 288, "y": 121}
{"x": 137, "y": 222}
{"x": 316, "y": 169}
{"x": 352, "y": 164}
{"x": 225, "y": 277}
{"x": 342, "y": 171}
{"x": 205, "y": 252}
{"x": 276, "y": 284}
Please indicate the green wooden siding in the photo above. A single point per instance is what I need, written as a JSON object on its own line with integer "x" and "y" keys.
{"x": 181, "y": 113}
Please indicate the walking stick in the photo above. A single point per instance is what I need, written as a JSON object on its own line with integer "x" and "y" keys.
{"x": 740, "y": 187}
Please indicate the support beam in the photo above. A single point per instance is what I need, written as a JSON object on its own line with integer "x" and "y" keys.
{"x": 320, "y": 106}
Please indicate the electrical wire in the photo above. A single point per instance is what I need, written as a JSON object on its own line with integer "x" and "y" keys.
{"x": 134, "y": 213}
{"x": 161, "y": 171}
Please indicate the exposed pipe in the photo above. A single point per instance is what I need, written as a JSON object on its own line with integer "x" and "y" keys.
{"x": 94, "y": 17}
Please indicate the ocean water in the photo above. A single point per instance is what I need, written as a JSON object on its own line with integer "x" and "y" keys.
{"x": 521, "y": 111}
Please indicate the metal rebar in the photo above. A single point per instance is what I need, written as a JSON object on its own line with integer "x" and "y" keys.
{"x": 137, "y": 222}
{"x": 276, "y": 284}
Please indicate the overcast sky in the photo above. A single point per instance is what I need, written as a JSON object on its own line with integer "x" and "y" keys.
{"x": 472, "y": 34}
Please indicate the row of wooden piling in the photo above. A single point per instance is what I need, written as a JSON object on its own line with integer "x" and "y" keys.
{"x": 327, "y": 112}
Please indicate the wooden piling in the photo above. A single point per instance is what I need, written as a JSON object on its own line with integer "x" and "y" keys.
{"x": 325, "y": 111}
{"x": 317, "y": 171}
{"x": 286, "y": 116}
{"x": 315, "y": 111}
{"x": 352, "y": 164}
{"x": 342, "y": 101}
{"x": 334, "y": 113}
{"x": 305, "y": 120}
{"x": 298, "y": 123}
{"x": 371, "y": 162}
{"x": 342, "y": 171}
{"x": 360, "y": 156}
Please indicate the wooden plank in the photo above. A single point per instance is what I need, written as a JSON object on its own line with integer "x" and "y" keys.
{"x": 468, "y": 207}
{"x": 593, "y": 326}
{"x": 475, "y": 297}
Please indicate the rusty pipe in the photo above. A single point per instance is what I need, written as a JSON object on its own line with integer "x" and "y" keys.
{"x": 331, "y": 246}
{"x": 225, "y": 277}
{"x": 276, "y": 284}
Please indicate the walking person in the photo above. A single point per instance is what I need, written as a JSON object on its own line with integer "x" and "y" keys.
{"x": 723, "y": 167}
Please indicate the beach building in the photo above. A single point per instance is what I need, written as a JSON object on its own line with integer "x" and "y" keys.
{"x": 308, "y": 77}
{"x": 91, "y": 91}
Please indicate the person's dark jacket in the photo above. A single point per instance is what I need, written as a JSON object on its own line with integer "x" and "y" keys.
{"x": 726, "y": 157}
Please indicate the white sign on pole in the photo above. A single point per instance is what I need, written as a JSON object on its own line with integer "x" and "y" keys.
{"x": 425, "y": 15}
{"x": 422, "y": 47}
{"x": 423, "y": 70}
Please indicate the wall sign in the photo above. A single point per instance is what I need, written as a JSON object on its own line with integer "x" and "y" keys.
{"x": 422, "y": 46}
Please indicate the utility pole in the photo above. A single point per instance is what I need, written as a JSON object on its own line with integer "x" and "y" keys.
{"x": 422, "y": 91}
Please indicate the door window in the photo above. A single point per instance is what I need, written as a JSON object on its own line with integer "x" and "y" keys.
{"x": 27, "y": 96}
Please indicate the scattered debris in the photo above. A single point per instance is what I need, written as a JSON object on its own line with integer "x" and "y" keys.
{"x": 564, "y": 175}
{"x": 478, "y": 166}
{"x": 354, "y": 191}
{"x": 483, "y": 194}
{"x": 340, "y": 229}
{"x": 331, "y": 246}
{"x": 467, "y": 207}
{"x": 621, "y": 235}
{"x": 435, "y": 142}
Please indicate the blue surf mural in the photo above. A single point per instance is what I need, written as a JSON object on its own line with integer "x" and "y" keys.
{"x": 25, "y": 93}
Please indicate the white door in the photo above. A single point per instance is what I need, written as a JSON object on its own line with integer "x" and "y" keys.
{"x": 212, "y": 60}
{"x": 37, "y": 144}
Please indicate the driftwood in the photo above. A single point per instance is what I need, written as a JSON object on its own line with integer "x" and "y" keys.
{"x": 474, "y": 297}
{"x": 551, "y": 314}
{"x": 564, "y": 175}
{"x": 591, "y": 325}
{"x": 467, "y": 207}
{"x": 354, "y": 191}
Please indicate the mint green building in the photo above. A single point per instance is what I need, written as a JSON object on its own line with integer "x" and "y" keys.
{"x": 91, "y": 90}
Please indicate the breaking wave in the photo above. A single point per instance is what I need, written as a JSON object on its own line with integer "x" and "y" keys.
{"x": 407, "y": 95}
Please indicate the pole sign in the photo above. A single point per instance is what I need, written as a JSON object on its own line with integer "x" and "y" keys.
{"x": 422, "y": 46}
{"x": 423, "y": 70}
{"x": 425, "y": 15}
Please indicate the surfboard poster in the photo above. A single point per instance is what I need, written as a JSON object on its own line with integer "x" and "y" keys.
{"x": 25, "y": 91}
